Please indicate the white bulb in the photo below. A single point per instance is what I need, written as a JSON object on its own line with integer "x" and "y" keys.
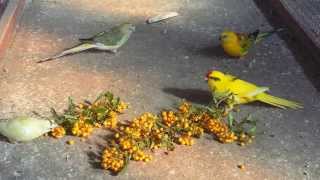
{"x": 25, "y": 128}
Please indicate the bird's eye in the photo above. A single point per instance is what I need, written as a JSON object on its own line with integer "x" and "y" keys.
{"x": 223, "y": 37}
{"x": 215, "y": 78}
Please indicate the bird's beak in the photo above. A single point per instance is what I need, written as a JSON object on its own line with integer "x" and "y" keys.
{"x": 206, "y": 78}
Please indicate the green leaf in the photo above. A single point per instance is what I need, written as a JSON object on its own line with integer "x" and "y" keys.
{"x": 66, "y": 116}
{"x": 125, "y": 166}
{"x": 54, "y": 113}
{"x": 101, "y": 110}
{"x": 109, "y": 96}
{"x": 70, "y": 102}
{"x": 99, "y": 97}
{"x": 252, "y": 131}
{"x": 58, "y": 119}
{"x": 230, "y": 120}
{"x": 115, "y": 102}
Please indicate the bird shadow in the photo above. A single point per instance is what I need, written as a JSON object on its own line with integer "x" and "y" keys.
{"x": 95, "y": 154}
{"x": 259, "y": 104}
{"x": 208, "y": 51}
{"x": 193, "y": 95}
{"x": 94, "y": 159}
{"x": 211, "y": 51}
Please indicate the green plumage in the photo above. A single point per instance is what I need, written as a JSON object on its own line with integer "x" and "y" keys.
{"x": 248, "y": 40}
{"x": 110, "y": 40}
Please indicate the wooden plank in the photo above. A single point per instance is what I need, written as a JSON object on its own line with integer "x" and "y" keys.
{"x": 8, "y": 22}
{"x": 307, "y": 15}
{"x": 3, "y": 4}
{"x": 302, "y": 17}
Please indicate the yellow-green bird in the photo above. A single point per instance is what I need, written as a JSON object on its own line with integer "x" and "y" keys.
{"x": 239, "y": 44}
{"x": 245, "y": 92}
{"x": 110, "y": 40}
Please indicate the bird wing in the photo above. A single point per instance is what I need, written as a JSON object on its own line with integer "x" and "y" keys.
{"x": 245, "y": 90}
{"x": 257, "y": 91}
{"x": 110, "y": 38}
{"x": 90, "y": 39}
{"x": 105, "y": 37}
{"x": 247, "y": 40}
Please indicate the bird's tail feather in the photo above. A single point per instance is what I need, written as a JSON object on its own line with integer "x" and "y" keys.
{"x": 263, "y": 35}
{"x": 278, "y": 102}
{"x": 86, "y": 40}
{"x": 78, "y": 48}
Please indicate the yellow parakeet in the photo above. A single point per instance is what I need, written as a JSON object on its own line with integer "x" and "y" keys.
{"x": 238, "y": 44}
{"x": 245, "y": 92}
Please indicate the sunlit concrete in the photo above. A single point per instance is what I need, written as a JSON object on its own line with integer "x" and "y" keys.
{"x": 159, "y": 65}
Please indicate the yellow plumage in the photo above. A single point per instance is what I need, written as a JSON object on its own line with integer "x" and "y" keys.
{"x": 238, "y": 44}
{"x": 230, "y": 43}
{"x": 245, "y": 92}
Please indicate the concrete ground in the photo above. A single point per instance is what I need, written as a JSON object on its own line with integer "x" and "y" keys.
{"x": 160, "y": 64}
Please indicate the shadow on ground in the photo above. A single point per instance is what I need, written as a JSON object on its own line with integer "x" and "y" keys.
{"x": 198, "y": 96}
{"x": 152, "y": 61}
{"x": 95, "y": 152}
{"x": 211, "y": 51}
{"x": 4, "y": 139}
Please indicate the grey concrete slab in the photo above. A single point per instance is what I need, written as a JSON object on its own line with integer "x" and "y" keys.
{"x": 161, "y": 64}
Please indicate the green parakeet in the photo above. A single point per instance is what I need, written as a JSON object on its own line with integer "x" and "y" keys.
{"x": 25, "y": 128}
{"x": 106, "y": 41}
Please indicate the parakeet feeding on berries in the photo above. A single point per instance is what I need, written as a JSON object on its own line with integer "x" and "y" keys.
{"x": 238, "y": 44}
{"x": 245, "y": 92}
{"x": 110, "y": 40}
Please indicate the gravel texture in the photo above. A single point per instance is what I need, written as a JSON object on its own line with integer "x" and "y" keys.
{"x": 159, "y": 65}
